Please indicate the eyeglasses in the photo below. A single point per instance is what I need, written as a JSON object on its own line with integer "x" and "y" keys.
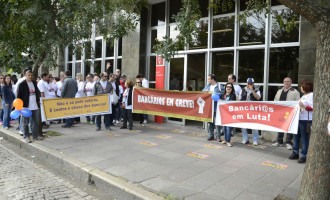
{"x": 229, "y": 87}
{"x": 138, "y": 82}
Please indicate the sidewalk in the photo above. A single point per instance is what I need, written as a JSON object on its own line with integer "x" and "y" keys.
{"x": 155, "y": 159}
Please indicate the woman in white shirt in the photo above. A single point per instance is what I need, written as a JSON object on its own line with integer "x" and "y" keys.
{"x": 51, "y": 87}
{"x": 127, "y": 105}
{"x": 89, "y": 92}
{"x": 81, "y": 90}
{"x": 305, "y": 121}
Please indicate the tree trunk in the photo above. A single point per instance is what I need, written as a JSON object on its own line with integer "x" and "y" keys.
{"x": 316, "y": 179}
{"x": 39, "y": 60}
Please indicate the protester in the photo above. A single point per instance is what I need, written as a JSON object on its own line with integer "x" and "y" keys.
{"x": 52, "y": 87}
{"x": 80, "y": 92}
{"x": 237, "y": 88}
{"x": 250, "y": 93}
{"x": 122, "y": 88}
{"x": 115, "y": 86}
{"x": 1, "y": 111}
{"x": 69, "y": 90}
{"x": 7, "y": 101}
{"x": 103, "y": 87}
{"x": 43, "y": 85}
{"x": 19, "y": 81}
{"x": 229, "y": 95}
{"x": 89, "y": 92}
{"x": 118, "y": 73}
{"x": 38, "y": 79}
{"x": 138, "y": 83}
{"x": 305, "y": 121}
{"x": 286, "y": 93}
{"x": 96, "y": 78}
{"x": 29, "y": 93}
{"x": 145, "y": 84}
{"x": 213, "y": 86}
{"x": 127, "y": 105}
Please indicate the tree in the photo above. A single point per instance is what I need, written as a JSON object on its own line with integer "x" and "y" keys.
{"x": 43, "y": 28}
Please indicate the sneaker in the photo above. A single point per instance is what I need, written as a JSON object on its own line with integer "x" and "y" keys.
{"x": 21, "y": 133}
{"x": 210, "y": 138}
{"x": 142, "y": 125}
{"x": 108, "y": 128}
{"x": 255, "y": 143}
{"x": 245, "y": 142}
{"x": 289, "y": 146}
{"x": 1, "y": 123}
{"x": 7, "y": 128}
{"x": 302, "y": 160}
{"x": 223, "y": 142}
{"x": 229, "y": 144}
{"x": 27, "y": 140}
{"x": 276, "y": 144}
{"x": 98, "y": 129}
{"x": 117, "y": 122}
{"x": 218, "y": 139}
{"x": 145, "y": 121}
{"x": 294, "y": 156}
{"x": 123, "y": 127}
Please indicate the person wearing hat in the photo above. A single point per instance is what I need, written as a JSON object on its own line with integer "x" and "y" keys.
{"x": 250, "y": 93}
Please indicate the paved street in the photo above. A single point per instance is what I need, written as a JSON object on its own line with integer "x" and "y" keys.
{"x": 177, "y": 161}
{"x": 22, "y": 179}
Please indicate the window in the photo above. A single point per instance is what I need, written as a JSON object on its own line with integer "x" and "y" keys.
{"x": 88, "y": 48}
{"x": 97, "y": 67}
{"x": 222, "y": 64}
{"x": 283, "y": 62}
{"x": 152, "y": 69}
{"x": 253, "y": 32}
{"x": 98, "y": 48}
{"x": 223, "y": 31}
{"x": 77, "y": 67}
{"x": 279, "y": 32}
{"x": 78, "y": 52}
{"x": 200, "y": 41}
{"x": 109, "y": 49}
{"x": 251, "y": 64}
{"x": 156, "y": 35}
{"x": 87, "y": 65}
{"x": 158, "y": 14}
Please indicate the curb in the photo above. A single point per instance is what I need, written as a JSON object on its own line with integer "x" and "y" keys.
{"x": 117, "y": 187}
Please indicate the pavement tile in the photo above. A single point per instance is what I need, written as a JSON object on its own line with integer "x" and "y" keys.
{"x": 157, "y": 183}
{"x": 224, "y": 191}
{"x": 180, "y": 191}
{"x": 268, "y": 189}
{"x": 119, "y": 170}
{"x": 203, "y": 196}
{"x": 251, "y": 195}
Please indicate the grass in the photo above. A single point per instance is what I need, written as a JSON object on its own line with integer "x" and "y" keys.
{"x": 53, "y": 133}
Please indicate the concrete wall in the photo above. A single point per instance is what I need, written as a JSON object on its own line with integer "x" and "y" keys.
{"x": 131, "y": 52}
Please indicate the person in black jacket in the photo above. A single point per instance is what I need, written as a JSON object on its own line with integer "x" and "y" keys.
{"x": 229, "y": 95}
{"x": 29, "y": 93}
{"x": 7, "y": 101}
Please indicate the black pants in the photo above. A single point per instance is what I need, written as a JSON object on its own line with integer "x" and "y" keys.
{"x": 128, "y": 116}
{"x": 280, "y": 136}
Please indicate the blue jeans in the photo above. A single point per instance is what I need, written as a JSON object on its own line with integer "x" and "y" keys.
{"x": 255, "y": 134}
{"x": 34, "y": 124}
{"x": 304, "y": 139}
{"x": 6, "y": 113}
{"x": 227, "y": 132}
{"x": 106, "y": 120}
{"x": 211, "y": 129}
{"x": 88, "y": 118}
{"x": 69, "y": 121}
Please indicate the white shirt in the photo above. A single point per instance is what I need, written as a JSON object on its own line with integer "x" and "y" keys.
{"x": 89, "y": 88}
{"x": 125, "y": 99}
{"x": 52, "y": 88}
{"x": 59, "y": 87}
{"x": 212, "y": 87}
{"x": 81, "y": 89}
{"x": 114, "y": 86}
{"x": 238, "y": 89}
{"x": 33, "y": 99}
{"x": 307, "y": 100}
{"x": 145, "y": 83}
{"x": 121, "y": 90}
{"x": 104, "y": 84}
{"x": 43, "y": 87}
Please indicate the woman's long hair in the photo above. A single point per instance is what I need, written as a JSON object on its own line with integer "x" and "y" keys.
{"x": 4, "y": 81}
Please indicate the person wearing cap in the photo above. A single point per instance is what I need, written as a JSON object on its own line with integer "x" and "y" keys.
{"x": 250, "y": 93}
{"x": 214, "y": 87}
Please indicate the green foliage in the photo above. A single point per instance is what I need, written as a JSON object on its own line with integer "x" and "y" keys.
{"x": 43, "y": 27}
{"x": 187, "y": 20}
{"x": 222, "y": 5}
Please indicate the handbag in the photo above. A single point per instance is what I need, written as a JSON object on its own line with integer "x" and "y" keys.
{"x": 114, "y": 98}
{"x": 308, "y": 126}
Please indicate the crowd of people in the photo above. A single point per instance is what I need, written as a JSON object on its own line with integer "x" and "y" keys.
{"x": 117, "y": 84}
{"x": 233, "y": 92}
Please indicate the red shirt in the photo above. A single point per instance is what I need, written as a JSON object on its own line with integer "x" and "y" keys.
{"x": 123, "y": 85}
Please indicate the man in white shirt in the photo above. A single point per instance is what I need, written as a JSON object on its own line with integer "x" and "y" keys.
{"x": 51, "y": 87}
{"x": 59, "y": 85}
{"x": 89, "y": 92}
{"x": 232, "y": 80}
{"x": 43, "y": 85}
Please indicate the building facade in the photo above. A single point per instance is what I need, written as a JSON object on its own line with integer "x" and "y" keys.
{"x": 261, "y": 49}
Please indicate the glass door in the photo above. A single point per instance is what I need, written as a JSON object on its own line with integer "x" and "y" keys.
{"x": 176, "y": 81}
